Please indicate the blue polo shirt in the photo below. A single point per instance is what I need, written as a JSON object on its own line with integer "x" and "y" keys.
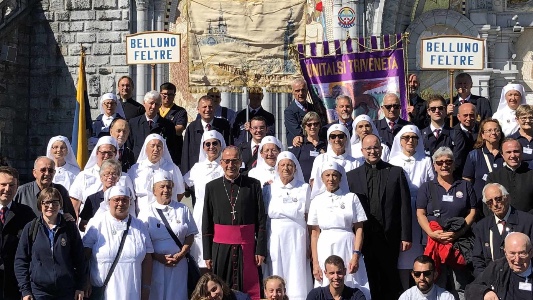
{"x": 527, "y": 146}
{"x": 306, "y": 155}
{"x": 323, "y": 293}
{"x": 477, "y": 170}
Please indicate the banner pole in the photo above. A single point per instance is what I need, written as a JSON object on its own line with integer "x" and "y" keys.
{"x": 153, "y": 77}
{"x": 451, "y": 95}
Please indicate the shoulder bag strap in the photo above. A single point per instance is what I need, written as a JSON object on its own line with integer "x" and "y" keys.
{"x": 167, "y": 226}
{"x": 122, "y": 242}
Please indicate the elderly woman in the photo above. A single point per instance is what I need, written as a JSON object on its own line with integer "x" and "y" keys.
{"x": 109, "y": 176}
{"x": 110, "y": 109}
{"x": 88, "y": 181}
{"x": 363, "y": 126}
{"x": 269, "y": 149}
{"x": 336, "y": 220}
{"x": 338, "y": 151}
{"x": 206, "y": 169}
{"x": 446, "y": 209}
{"x": 408, "y": 153}
{"x": 66, "y": 166}
{"x": 50, "y": 243}
{"x": 169, "y": 273}
{"x": 212, "y": 287}
{"x": 154, "y": 156}
{"x": 485, "y": 157}
{"x": 312, "y": 145}
{"x": 512, "y": 96}
{"x": 287, "y": 203}
{"x": 524, "y": 135}
{"x": 275, "y": 288}
{"x": 117, "y": 236}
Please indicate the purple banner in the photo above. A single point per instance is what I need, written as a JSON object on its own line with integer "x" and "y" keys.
{"x": 366, "y": 77}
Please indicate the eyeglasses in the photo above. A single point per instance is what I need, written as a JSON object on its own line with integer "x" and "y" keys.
{"x": 341, "y": 136}
{"x": 435, "y": 108}
{"x": 53, "y": 203}
{"x": 499, "y": 199}
{"x": 370, "y": 149}
{"x": 521, "y": 254}
{"x": 209, "y": 144}
{"x": 395, "y": 106}
{"x": 168, "y": 94}
{"x": 231, "y": 161}
{"x": 122, "y": 200}
{"x": 110, "y": 103}
{"x": 107, "y": 153}
{"x": 494, "y": 130}
{"x": 108, "y": 175}
{"x": 409, "y": 137}
{"x": 524, "y": 119}
{"x": 49, "y": 170}
{"x": 425, "y": 273}
{"x": 312, "y": 124}
{"x": 448, "y": 162}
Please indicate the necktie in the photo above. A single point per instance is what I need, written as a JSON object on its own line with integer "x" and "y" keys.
{"x": 391, "y": 125}
{"x": 3, "y": 212}
{"x": 437, "y": 133}
{"x": 503, "y": 224}
{"x": 151, "y": 124}
{"x": 120, "y": 152}
{"x": 462, "y": 101}
{"x": 254, "y": 154}
{"x": 208, "y": 127}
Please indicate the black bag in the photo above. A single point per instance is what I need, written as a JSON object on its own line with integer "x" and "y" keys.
{"x": 193, "y": 271}
{"x": 98, "y": 292}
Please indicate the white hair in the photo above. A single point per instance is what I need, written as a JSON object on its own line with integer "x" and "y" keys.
{"x": 152, "y": 95}
{"x": 499, "y": 186}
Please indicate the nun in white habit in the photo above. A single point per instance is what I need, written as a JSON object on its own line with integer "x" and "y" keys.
{"x": 60, "y": 151}
{"x": 338, "y": 151}
{"x": 269, "y": 150}
{"x": 169, "y": 273}
{"x": 408, "y": 153}
{"x": 513, "y": 95}
{"x": 287, "y": 202}
{"x": 362, "y": 126}
{"x": 205, "y": 170}
{"x": 154, "y": 155}
{"x": 336, "y": 219}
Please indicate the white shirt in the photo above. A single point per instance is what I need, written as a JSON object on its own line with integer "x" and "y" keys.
{"x": 435, "y": 293}
{"x": 65, "y": 175}
{"x": 263, "y": 173}
{"x": 500, "y": 225}
{"x": 507, "y": 119}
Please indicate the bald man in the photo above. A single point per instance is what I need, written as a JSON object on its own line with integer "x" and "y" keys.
{"x": 466, "y": 114}
{"x": 507, "y": 278}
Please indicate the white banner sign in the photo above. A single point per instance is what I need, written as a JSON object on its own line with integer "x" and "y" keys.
{"x": 452, "y": 53}
{"x": 153, "y": 47}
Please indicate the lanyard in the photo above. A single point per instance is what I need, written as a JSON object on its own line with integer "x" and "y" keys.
{"x": 489, "y": 166}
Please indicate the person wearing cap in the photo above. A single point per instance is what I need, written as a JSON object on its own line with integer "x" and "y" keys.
{"x": 88, "y": 181}
{"x": 169, "y": 273}
{"x": 363, "y": 126}
{"x": 109, "y": 110}
{"x": 154, "y": 156}
{"x": 66, "y": 166}
{"x": 408, "y": 153}
{"x": 384, "y": 194}
{"x": 132, "y": 276}
{"x": 287, "y": 202}
{"x": 269, "y": 150}
{"x": 336, "y": 219}
{"x": 49, "y": 263}
{"x": 205, "y": 170}
{"x": 513, "y": 95}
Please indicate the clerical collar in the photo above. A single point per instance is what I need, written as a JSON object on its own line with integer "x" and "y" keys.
{"x": 526, "y": 273}
{"x": 511, "y": 168}
{"x": 231, "y": 180}
{"x": 372, "y": 166}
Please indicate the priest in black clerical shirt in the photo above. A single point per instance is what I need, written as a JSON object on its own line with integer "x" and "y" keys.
{"x": 384, "y": 194}
{"x": 233, "y": 226}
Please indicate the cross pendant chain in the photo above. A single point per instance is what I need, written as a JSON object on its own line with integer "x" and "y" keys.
{"x": 233, "y": 212}
{"x": 232, "y": 201}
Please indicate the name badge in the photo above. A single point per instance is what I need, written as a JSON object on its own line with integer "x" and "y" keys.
{"x": 524, "y": 286}
{"x": 447, "y": 198}
{"x": 528, "y": 150}
{"x": 313, "y": 153}
{"x": 495, "y": 165}
{"x": 485, "y": 177}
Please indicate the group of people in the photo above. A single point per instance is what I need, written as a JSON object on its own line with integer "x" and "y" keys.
{"x": 355, "y": 209}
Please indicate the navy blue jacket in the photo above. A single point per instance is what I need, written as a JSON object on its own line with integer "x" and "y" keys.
{"x": 518, "y": 221}
{"x": 420, "y": 116}
{"x": 293, "y": 116}
{"x": 40, "y": 271}
{"x": 387, "y": 136}
{"x": 483, "y": 109}
{"x": 469, "y": 137}
{"x": 239, "y": 134}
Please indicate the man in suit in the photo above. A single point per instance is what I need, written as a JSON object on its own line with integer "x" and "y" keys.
{"x": 193, "y": 133}
{"x": 466, "y": 115}
{"x": 491, "y": 231}
{"x": 174, "y": 113}
{"x": 131, "y": 107}
{"x": 296, "y": 111}
{"x": 152, "y": 122}
{"x": 389, "y": 126}
{"x": 241, "y": 126}
{"x": 13, "y": 217}
{"x": 120, "y": 130}
{"x": 344, "y": 110}
{"x": 463, "y": 84}
{"x": 417, "y": 106}
{"x": 249, "y": 150}
{"x": 384, "y": 194}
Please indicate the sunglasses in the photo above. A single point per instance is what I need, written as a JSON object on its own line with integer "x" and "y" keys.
{"x": 341, "y": 136}
{"x": 435, "y": 108}
{"x": 499, "y": 199}
{"x": 390, "y": 106}
{"x": 44, "y": 170}
{"x": 409, "y": 137}
{"x": 448, "y": 162}
{"x": 230, "y": 161}
{"x": 425, "y": 273}
{"x": 209, "y": 144}
{"x": 313, "y": 124}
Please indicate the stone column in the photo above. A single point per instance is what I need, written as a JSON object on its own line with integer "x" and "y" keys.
{"x": 141, "y": 86}
{"x": 159, "y": 17}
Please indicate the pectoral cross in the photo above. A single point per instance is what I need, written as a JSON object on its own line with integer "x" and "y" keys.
{"x": 233, "y": 212}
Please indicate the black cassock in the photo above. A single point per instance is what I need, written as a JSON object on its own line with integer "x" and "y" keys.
{"x": 246, "y": 195}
